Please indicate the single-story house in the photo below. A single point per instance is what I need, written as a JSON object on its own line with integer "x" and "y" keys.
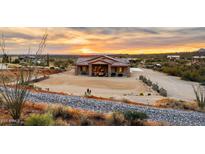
{"x": 173, "y": 57}
{"x": 102, "y": 66}
{"x": 198, "y": 58}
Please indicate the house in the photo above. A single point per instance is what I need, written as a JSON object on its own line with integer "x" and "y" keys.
{"x": 33, "y": 59}
{"x": 198, "y": 58}
{"x": 173, "y": 57}
{"x": 103, "y": 66}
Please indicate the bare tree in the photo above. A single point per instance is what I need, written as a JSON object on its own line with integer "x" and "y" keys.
{"x": 38, "y": 54}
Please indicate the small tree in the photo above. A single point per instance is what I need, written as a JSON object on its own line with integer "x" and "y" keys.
{"x": 15, "y": 93}
{"x": 200, "y": 96}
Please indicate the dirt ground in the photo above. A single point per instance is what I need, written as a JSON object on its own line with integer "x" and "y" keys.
{"x": 176, "y": 88}
{"x": 117, "y": 88}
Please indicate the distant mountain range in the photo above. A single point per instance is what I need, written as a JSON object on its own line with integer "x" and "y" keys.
{"x": 202, "y": 50}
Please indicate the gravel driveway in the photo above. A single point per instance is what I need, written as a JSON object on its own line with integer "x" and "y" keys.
{"x": 173, "y": 117}
{"x": 176, "y": 88}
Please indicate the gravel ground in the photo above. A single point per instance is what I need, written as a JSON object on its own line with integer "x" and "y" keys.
{"x": 172, "y": 116}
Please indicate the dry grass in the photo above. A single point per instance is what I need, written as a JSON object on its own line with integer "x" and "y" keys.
{"x": 67, "y": 116}
{"x": 177, "y": 104}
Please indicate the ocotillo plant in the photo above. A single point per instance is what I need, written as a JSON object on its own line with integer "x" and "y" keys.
{"x": 200, "y": 96}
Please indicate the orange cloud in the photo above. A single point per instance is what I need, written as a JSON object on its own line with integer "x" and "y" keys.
{"x": 105, "y": 40}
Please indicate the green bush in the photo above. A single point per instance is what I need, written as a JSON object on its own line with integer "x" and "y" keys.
{"x": 62, "y": 68}
{"x": 149, "y": 82}
{"x": 145, "y": 80}
{"x": 194, "y": 72}
{"x": 16, "y": 61}
{"x": 141, "y": 77}
{"x": 155, "y": 87}
{"x": 141, "y": 94}
{"x": 133, "y": 115}
{"x": 61, "y": 63}
{"x": 163, "y": 92}
{"x": 39, "y": 120}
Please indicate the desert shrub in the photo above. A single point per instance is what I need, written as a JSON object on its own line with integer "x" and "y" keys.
{"x": 97, "y": 116}
{"x": 117, "y": 118}
{"x": 15, "y": 98}
{"x": 144, "y": 80}
{"x": 60, "y": 122}
{"x": 195, "y": 72}
{"x": 61, "y": 112}
{"x": 61, "y": 63}
{"x": 125, "y": 100}
{"x": 141, "y": 94}
{"x": 16, "y": 61}
{"x": 155, "y": 87}
{"x": 85, "y": 121}
{"x": 200, "y": 96}
{"x": 141, "y": 77}
{"x": 163, "y": 92}
{"x": 149, "y": 82}
{"x": 133, "y": 115}
{"x": 62, "y": 68}
{"x": 169, "y": 103}
{"x": 39, "y": 120}
{"x": 70, "y": 61}
{"x": 88, "y": 92}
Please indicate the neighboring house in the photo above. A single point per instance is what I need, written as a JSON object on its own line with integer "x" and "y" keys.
{"x": 173, "y": 57}
{"x": 198, "y": 58}
{"x": 103, "y": 66}
{"x": 26, "y": 58}
{"x": 42, "y": 59}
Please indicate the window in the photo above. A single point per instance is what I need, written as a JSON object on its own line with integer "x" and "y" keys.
{"x": 84, "y": 69}
{"x": 120, "y": 70}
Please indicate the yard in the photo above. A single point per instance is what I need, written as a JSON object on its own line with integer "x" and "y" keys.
{"x": 120, "y": 88}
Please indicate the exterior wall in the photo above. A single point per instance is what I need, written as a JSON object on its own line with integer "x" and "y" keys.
{"x": 125, "y": 71}
{"x": 78, "y": 70}
{"x": 112, "y": 71}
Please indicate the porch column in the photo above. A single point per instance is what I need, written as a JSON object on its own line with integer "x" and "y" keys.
{"x": 90, "y": 69}
{"x": 109, "y": 70}
{"x": 76, "y": 70}
{"x": 128, "y": 71}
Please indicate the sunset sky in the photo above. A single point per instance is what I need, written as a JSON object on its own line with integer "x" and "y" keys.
{"x": 104, "y": 40}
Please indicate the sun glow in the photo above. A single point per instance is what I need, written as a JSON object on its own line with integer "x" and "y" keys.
{"x": 86, "y": 51}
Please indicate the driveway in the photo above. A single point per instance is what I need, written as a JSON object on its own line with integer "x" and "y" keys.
{"x": 176, "y": 88}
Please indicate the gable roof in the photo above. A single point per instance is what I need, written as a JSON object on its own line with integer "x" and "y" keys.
{"x": 104, "y": 59}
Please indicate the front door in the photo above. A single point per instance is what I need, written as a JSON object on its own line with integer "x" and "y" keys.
{"x": 99, "y": 70}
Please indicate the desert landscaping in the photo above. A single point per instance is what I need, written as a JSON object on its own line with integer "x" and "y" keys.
{"x": 108, "y": 87}
{"x": 130, "y": 88}
{"x": 127, "y": 90}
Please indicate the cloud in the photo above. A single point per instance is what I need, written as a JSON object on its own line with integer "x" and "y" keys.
{"x": 109, "y": 39}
